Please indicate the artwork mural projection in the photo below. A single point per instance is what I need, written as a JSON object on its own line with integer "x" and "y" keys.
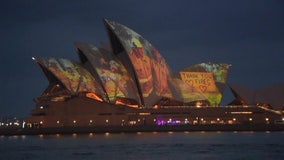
{"x": 150, "y": 67}
{"x": 208, "y": 79}
{"x": 74, "y": 76}
{"x": 113, "y": 75}
{"x": 185, "y": 93}
{"x": 199, "y": 81}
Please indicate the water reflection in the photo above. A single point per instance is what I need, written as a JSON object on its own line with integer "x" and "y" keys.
{"x": 152, "y": 145}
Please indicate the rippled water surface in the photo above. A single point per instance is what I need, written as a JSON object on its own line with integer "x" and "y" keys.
{"x": 144, "y": 146}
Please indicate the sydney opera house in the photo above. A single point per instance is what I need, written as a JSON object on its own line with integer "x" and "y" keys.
{"x": 129, "y": 83}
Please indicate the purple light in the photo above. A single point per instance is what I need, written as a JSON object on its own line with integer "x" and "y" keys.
{"x": 161, "y": 122}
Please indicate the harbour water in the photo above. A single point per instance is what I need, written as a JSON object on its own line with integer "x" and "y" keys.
{"x": 146, "y": 146}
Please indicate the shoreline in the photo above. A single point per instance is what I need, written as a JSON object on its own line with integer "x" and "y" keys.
{"x": 143, "y": 128}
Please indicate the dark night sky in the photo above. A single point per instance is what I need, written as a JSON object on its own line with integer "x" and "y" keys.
{"x": 248, "y": 35}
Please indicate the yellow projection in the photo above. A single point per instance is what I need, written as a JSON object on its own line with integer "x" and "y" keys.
{"x": 200, "y": 81}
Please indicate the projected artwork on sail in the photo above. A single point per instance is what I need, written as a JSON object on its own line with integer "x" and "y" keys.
{"x": 150, "y": 67}
{"x": 208, "y": 79}
{"x": 113, "y": 75}
{"x": 74, "y": 76}
{"x": 199, "y": 81}
{"x": 185, "y": 93}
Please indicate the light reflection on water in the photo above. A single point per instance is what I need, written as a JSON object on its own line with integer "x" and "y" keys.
{"x": 140, "y": 145}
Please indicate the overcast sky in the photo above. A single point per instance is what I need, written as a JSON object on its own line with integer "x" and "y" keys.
{"x": 247, "y": 34}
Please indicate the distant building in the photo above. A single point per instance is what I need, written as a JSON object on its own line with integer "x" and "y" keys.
{"x": 131, "y": 84}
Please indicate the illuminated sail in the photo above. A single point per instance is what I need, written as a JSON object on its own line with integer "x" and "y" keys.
{"x": 185, "y": 93}
{"x": 208, "y": 79}
{"x": 150, "y": 68}
{"x": 72, "y": 75}
{"x": 114, "y": 77}
{"x": 199, "y": 81}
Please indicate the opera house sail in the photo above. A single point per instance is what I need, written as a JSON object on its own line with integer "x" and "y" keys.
{"x": 144, "y": 61}
{"x": 71, "y": 76}
{"x": 114, "y": 78}
{"x": 131, "y": 84}
{"x": 268, "y": 97}
{"x": 208, "y": 79}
